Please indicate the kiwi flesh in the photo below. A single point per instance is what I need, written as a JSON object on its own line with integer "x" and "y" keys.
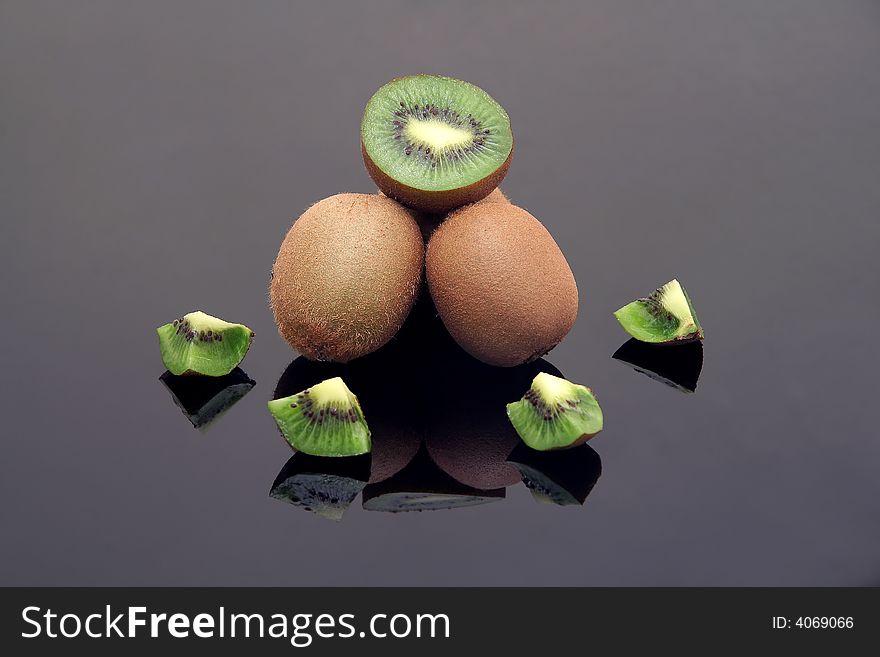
{"x": 422, "y": 486}
{"x": 324, "y": 486}
{"x": 500, "y": 283}
{"x": 323, "y": 420}
{"x": 555, "y": 414}
{"x": 558, "y": 478}
{"x": 666, "y": 316}
{"x": 678, "y": 367}
{"x": 435, "y": 143}
{"x": 203, "y": 399}
{"x": 346, "y": 276}
{"x": 198, "y": 343}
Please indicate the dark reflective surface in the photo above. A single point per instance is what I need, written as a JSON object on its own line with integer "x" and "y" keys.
{"x": 678, "y": 366}
{"x": 153, "y": 156}
{"x": 204, "y": 399}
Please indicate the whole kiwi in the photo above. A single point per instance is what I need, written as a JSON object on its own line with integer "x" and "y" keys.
{"x": 500, "y": 283}
{"x": 346, "y": 276}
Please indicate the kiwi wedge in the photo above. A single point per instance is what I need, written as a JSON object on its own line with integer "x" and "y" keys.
{"x": 203, "y": 399}
{"x": 435, "y": 143}
{"x": 324, "y": 486}
{"x": 678, "y": 367}
{"x": 386, "y": 394}
{"x": 557, "y": 478}
{"x": 422, "y": 486}
{"x": 665, "y": 316}
{"x": 323, "y": 420}
{"x": 555, "y": 414}
{"x": 198, "y": 343}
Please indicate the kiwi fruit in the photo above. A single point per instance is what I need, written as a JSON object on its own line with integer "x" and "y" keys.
{"x": 422, "y": 486}
{"x": 324, "y": 486}
{"x": 558, "y": 478}
{"x": 501, "y": 285}
{"x": 666, "y": 316}
{"x": 678, "y": 367}
{"x": 555, "y": 413}
{"x": 198, "y": 343}
{"x": 323, "y": 420}
{"x": 346, "y": 276}
{"x": 435, "y": 143}
{"x": 203, "y": 399}
{"x": 387, "y": 395}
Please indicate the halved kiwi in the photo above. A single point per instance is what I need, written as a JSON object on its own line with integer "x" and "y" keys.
{"x": 323, "y": 420}
{"x": 422, "y": 486}
{"x": 435, "y": 143}
{"x": 665, "y": 316}
{"x": 205, "y": 398}
{"x": 324, "y": 486}
{"x": 555, "y": 414}
{"x": 198, "y": 343}
{"x": 678, "y": 367}
{"x": 555, "y": 477}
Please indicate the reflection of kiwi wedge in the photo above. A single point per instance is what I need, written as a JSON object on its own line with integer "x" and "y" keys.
{"x": 555, "y": 414}
{"x": 387, "y": 395}
{"x": 664, "y": 316}
{"x": 198, "y": 343}
{"x": 204, "y": 399}
{"x": 325, "y": 486}
{"x": 468, "y": 434}
{"x": 678, "y": 366}
{"x": 323, "y": 420}
{"x": 558, "y": 478}
{"x": 422, "y": 486}
{"x": 435, "y": 143}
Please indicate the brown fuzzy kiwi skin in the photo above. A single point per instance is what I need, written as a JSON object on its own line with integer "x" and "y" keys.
{"x": 346, "y": 276}
{"x": 501, "y": 285}
{"x": 435, "y": 202}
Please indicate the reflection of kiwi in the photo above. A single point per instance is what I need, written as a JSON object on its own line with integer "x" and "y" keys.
{"x": 501, "y": 284}
{"x": 326, "y": 486}
{"x": 388, "y": 397}
{"x": 559, "y": 477}
{"x": 323, "y": 420}
{"x": 665, "y": 316}
{"x": 468, "y": 434}
{"x": 555, "y": 414}
{"x": 678, "y": 366}
{"x": 346, "y": 276}
{"x": 205, "y": 398}
{"x": 435, "y": 143}
{"x": 198, "y": 343}
{"x": 422, "y": 486}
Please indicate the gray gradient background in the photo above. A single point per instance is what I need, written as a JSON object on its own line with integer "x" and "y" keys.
{"x": 153, "y": 154}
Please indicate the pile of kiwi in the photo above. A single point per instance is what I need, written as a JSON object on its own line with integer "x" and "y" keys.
{"x": 351, "y": 268}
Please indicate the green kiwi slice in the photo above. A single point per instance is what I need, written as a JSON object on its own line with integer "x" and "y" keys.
{"x": 565, "y": 479}
{"x": 323, "y": 420}
{"x": 203, "y": 399}
{"x": 665, "y": 316}
{"x": 198, "y": 343}
{"x": 435, "y": 143}
{"x": 555, "y": 414}
{"x": 324, "y": 486}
